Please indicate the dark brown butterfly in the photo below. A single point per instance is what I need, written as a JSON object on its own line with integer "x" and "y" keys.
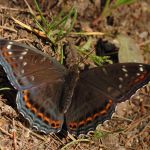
{"x": 42, "y": 84}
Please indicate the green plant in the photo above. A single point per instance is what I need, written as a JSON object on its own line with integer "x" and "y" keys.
{"x": 110, "y": 6}
{"x": 59, "y": 27}
{"x": 85, "y": 51}
{"x": 99, "y": 134}
{"x": 118, "y": 3}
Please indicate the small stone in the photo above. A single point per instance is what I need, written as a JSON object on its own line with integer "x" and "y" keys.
{"x": 143, "y": 35}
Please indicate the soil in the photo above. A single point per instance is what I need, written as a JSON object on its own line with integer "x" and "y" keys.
{"x": 129, "y": 127}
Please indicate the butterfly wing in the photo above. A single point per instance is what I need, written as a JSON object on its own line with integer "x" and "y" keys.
{"x": 99, "y": 90}
{"x": 39, "y": 81}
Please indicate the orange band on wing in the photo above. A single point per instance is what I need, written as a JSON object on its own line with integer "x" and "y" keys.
{"x": 53, "y": 123}
{"x": 139, "y": 78}
{"x": 9, "y": 60}
{"x": 74, "y": 125}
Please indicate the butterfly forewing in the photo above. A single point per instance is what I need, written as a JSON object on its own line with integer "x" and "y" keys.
{"x": 39, "y": 80}
{"x": 120, "y": 81}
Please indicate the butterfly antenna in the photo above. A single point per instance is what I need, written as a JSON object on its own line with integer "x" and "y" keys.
{"x": 86, "y": 57}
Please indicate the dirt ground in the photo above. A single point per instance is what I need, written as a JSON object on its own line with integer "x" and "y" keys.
{"x": 129, "y": 128}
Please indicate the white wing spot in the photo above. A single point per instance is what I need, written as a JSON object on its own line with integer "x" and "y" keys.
{"x": 126, "y": 75}
{"x": 24, "y": 63}
{"x": 140, "y": 65}
{"x": 21, "y": 57}
{"x": 104, "y": 70}
{"x": 120, "y": 79}
{"x": 32, "y": 78}
{"x": 9, "y": 46}
{"x": 141, "y": 69}
{"x": 22, "y": 71}
{"x": 138, "y": 74}
{"x": 10, "y": 42}
{"x": 10, "y": 53}
{"x": 43, "y": 59}
{"x": 109, "y": 89}
{"x": 24, "y": 53}
{"x": 120, "y": 86}
{"x": 124, "y": 70}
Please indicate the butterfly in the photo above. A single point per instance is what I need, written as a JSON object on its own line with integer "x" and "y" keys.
{"x": 49, "y": 95}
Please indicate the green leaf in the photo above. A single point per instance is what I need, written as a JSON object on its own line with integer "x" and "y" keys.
{"x": 123, "y": 2}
